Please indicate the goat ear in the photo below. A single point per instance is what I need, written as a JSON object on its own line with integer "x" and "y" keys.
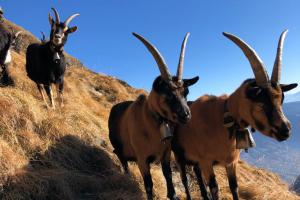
{"x": 189, "y": 82}
{"x": 288, "y": 87}
{"x": 253, "y": 92}
{"x": 72, "y": 29}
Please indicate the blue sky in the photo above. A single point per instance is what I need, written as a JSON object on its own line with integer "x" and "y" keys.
{"x": 104, "y": 42}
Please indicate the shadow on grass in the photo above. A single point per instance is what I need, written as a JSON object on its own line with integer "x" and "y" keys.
{"x": 71, "y": 169}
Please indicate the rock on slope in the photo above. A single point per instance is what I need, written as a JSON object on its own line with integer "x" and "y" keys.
{"x": 66, "y": 154}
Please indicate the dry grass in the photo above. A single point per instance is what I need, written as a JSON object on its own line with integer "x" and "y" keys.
{"x": 66, "y": 154}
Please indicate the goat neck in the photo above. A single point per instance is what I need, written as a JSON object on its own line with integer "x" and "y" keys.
{"x": 233, "y": 106}
{"x": 57, "y": 51}
{"x": 153, "y": 110}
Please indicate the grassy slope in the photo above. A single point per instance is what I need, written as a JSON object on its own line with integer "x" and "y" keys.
{"x": 66, "y": 154}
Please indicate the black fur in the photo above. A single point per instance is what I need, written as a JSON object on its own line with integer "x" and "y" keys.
{"x": 41, "y": 67}
{"x": 150, "y": 159}
{"x": 5, "y": 42}
{"x": 148, "y": 186}
{"x": 201, "y": 183}
{"x": 233, "y": 187}
{"x": 174, "y": 100}
{"x": 213, "y": 187}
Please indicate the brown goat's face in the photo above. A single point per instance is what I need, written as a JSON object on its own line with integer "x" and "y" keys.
{"x": 263, "y": 109}
{"x": 59, "y": 33}
{"x": 170, "y": 99}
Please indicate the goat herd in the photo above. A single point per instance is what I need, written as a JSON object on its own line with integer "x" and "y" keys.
{"x": 211, "y": 130}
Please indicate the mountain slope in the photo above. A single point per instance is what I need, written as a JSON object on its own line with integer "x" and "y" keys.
{"x": 66, "y": 154}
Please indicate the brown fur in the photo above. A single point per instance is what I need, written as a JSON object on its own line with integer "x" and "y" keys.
{"x": 205, "y": 141}
{"x": 141, "y": 139}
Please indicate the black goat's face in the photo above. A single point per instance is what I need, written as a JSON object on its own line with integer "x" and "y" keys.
{"x": 171, "y": 102}
{"x": 59, "y": 34}
{"x": 265, "y": 110}
{"x": 60, "y": 30}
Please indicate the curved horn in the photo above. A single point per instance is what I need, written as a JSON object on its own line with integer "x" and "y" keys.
{"x": 261, "y": 76}
{"x": 57, "y": 20}
{"x": 181, "y": 58}
{"x": 163, "y": 68}
{"x": 70, "y": 19}
{"x": 276, "y": 73}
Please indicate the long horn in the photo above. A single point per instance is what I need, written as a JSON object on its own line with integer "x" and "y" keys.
{"x": 260, "y": 73}
{"x": 70, "y": 19}
{"x": 276, "y": 73}
{"x": 181, "y": 58}
{"x": 163, "y": 68}
{"x": 57, "y": 19}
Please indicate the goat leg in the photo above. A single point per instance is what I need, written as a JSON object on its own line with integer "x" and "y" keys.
{"x": 231, "y": 174}
{"x": 50, "y": 94}
{"x": 201, "y": 183}
{"x": 210, "y": 178}
{"x": 40, "y": 88}
{"x": 166, "y": 169}
{"x": 59, "y": 90}
{"x": 182, "y": 167}
{"x": 144, "y": 168}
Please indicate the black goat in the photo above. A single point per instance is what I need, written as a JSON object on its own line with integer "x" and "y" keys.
{"x": 7, "y": 42}
{"x": 46, "y": 62}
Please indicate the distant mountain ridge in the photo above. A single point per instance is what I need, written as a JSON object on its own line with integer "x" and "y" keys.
{"x": 292, "y": 97}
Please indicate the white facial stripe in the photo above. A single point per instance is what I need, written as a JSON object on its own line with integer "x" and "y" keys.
{"x": 283, "y": 117}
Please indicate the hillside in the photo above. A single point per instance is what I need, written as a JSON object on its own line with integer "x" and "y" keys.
{"x": 66, "y": 154}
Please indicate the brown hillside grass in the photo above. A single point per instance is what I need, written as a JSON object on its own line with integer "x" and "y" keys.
{"x": 66, "y": 154}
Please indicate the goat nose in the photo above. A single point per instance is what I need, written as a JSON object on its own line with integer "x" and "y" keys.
{"x": 187, "y": 114}
{"x": 57, "y": 36}
{"x": 284, "y": 130}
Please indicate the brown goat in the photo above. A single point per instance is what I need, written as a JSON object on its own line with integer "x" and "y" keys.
{"x": 136, "y": 127}
{"x": 204, "y": 141}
